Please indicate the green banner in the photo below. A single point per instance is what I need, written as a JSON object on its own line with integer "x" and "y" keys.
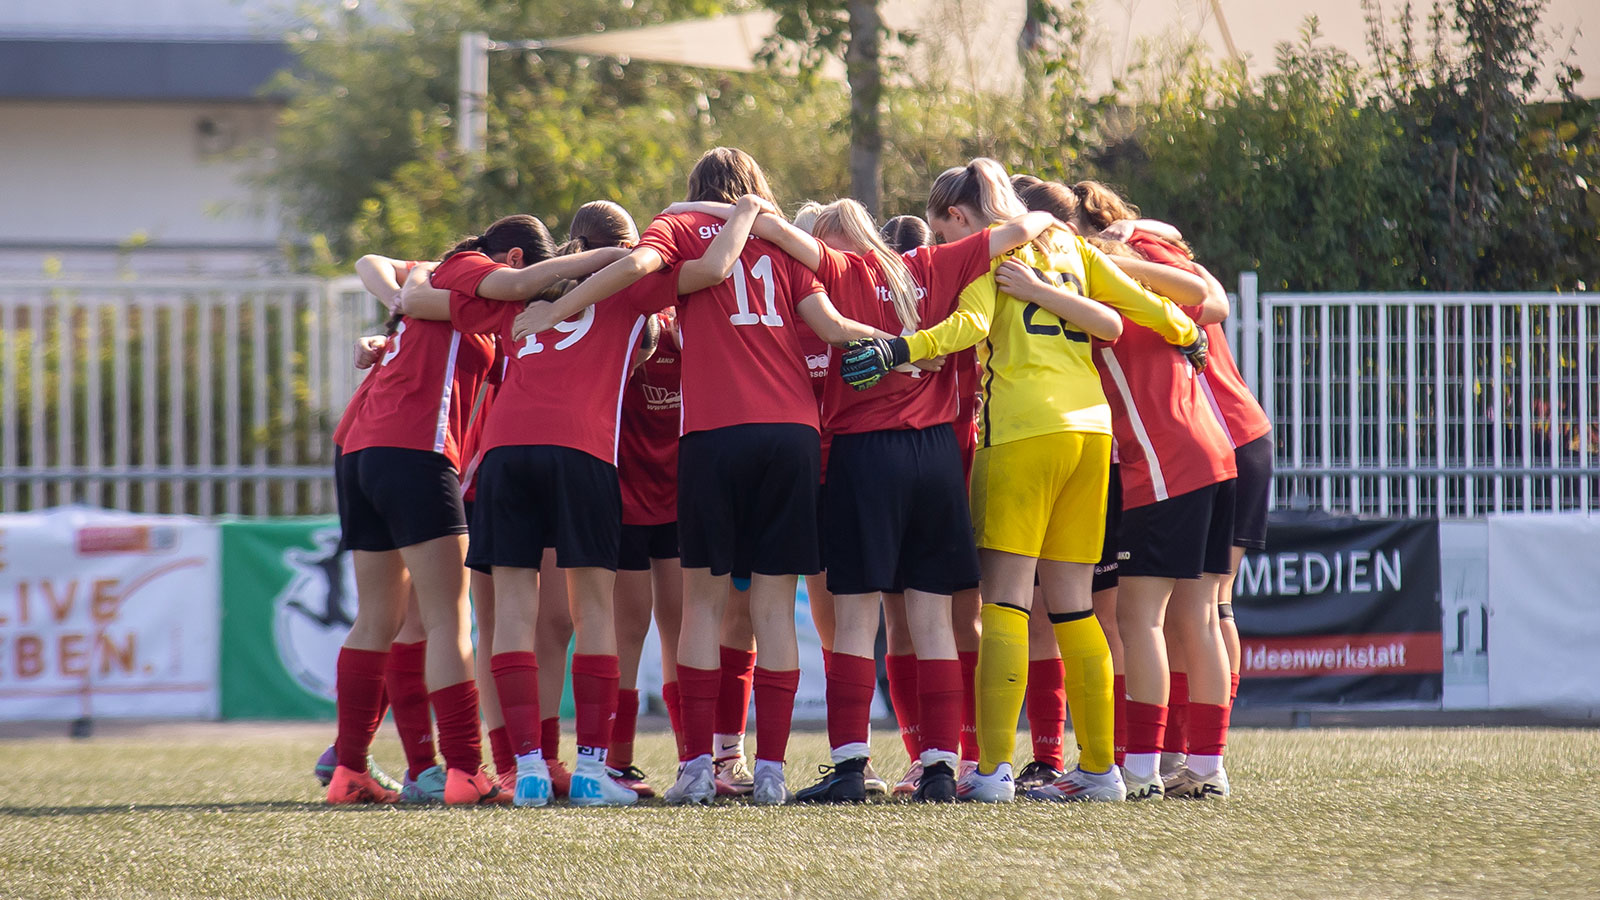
{"x": 288, "y": 598}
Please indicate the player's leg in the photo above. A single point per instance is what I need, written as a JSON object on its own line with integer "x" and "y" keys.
{"x": 596, "y": 674}
{"x": 1046, "y": 705}
{"x": 737, "y": 668}
{"x": 1106, "y": 573}
{"x": 965, "y": 615}
{"x": 407, "y": 688}
{"x": 552, "y": 640}
{"x": 1174, "y": 744}
{"x": 666, "y": 576}
{"x": 359, "y": 687}
{"x": 481, "y": 587}
{"x": 901, "y": 663}
{"x": 631, "y": 607}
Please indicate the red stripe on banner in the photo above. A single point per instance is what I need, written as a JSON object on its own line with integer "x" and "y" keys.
{"x": 1303, "y": 656}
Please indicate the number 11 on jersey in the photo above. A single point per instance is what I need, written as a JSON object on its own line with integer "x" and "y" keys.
{"x": 761, "y": 272}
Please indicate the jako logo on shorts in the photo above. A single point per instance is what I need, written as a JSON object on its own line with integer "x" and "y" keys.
{"x": 312, "y": 615}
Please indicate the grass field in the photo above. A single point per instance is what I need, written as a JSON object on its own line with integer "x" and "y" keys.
{"x": 231, "y": 811}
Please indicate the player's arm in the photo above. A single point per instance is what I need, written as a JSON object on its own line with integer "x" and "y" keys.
{"x": 1010, "y": 235}
{"x": 382, "y": 277}
{"x": 419, "y": 299}
{"x": 1116, "y": 288}
{"x": 1123, "y": 229}
{"x": 518, "y": 285}
{"x": 717, "y": 263}
{"x": 1181, "y": 287}
{"x": 768, "y": 226}
{"x": 864, "y": 363}
{"x": 1216, "y": 307}
{"x": 831, "y": 325}
{"x": 1022, "y": 282}
{"x": 613, "y": 278}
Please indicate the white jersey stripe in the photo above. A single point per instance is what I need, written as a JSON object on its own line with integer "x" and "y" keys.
{"x": 622, "y": 387}
{"x": 441, "y": 425}
{"x": 1158, "y": 481}
{"x": 1211, "y": 399}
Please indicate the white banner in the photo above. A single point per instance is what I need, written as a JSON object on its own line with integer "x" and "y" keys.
{"x": 1545, "y": 621}
{"x": 108, "y": 614}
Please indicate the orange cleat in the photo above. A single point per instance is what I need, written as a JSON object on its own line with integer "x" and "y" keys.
{"x": 350, "y": 786}
{"x": 560, "y": 779}
{"x": 508, "y": 780}
{"x": 461, "y": 789}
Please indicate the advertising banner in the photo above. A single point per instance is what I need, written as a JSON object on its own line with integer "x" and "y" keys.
{"x": 1341, "y": 610}
{"x": 289, "y": 599}
{"x": 1542, "y": 575}
{"x": 107, "y": 614}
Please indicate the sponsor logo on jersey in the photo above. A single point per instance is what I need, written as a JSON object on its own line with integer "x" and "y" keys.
{"x": 818, "y": 364}
{"x": 312, "y": 615}
{"x": 657, "y": 398}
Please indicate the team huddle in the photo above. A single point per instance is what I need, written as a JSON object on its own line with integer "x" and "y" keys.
{"x": 1012, "y": 430}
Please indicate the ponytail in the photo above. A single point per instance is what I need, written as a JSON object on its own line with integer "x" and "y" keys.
{"x": 505, "y": 234}
{"x": 981, "y": 186}
{"x": 850, "y": 219}
{"x": 907, "y": 233}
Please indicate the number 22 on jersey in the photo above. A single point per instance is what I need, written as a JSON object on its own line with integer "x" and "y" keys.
{"x": 761, "y": 273}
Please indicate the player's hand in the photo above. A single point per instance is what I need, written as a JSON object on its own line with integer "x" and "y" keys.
{"x": 1199, "y": 352}
{"x": 538, "y": 316}
{"x": 708, "y": 207}
{"x": 761, "y": 204}
{"x": 866, "y": 361}
{"x": 370, "y": 349}
{"x": 418, "y": 281}
{"x": 1120, "y": 230}
{"x": 1019, "y": 279}
{"x": 930, "y": 365}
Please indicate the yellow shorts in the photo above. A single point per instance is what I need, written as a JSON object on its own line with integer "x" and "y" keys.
{"x": 1043, "y": 496}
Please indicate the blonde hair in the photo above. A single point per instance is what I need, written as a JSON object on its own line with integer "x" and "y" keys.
{"x": 850, "y": 220}
{"x": 982, "y": 186}
{"x": 805, "y": 218}
{"x": 600, "y": 223}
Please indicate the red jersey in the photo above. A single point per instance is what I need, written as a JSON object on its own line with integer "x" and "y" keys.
{"x": 472, "y": 442}
{"x": 420, "y": 393}
{"x": 743, "y": 361}
{"x": 1168, "y": 441}
{"x": 563, "y": 387}
{"x": 647, "y": 457}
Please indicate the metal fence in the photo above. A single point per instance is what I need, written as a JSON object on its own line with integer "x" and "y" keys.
{"x": 185, "y": 396}
{"x": 1454, "y": 405}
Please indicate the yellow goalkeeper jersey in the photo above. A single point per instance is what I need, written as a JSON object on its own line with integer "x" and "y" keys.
{"x": 1038, "y": 372}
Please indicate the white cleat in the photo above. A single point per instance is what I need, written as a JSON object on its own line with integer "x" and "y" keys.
{"x": 1142, "y": 789}
{"x": 696, "y": 783}
{"x": 908, "y": 785}
{"x": 771, "y": 789}
{"x": 997, "y": 787}
{"x": 1171, "y": 764}
{"x": 596, "y": 787}
{"x": 876, "y": 786}
{"x": 1078, "y": 786}
{"x": 533, "y": 783}
{"x": 1186, "y": 785}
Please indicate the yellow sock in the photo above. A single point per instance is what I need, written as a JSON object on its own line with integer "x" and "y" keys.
{"x": 1002, "y": 682}
{"x": 1087, "y": 658}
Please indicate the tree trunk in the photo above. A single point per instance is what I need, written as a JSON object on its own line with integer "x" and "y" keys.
{"x": 865, "y": 75}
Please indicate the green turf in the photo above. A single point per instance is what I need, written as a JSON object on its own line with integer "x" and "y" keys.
{"x": 233, "y": 812}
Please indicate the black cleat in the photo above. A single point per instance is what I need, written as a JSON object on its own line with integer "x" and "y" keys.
{"x": 937, "y": 785}
{"x": 842, "y": 783}
{"x": 1037, "y": 774}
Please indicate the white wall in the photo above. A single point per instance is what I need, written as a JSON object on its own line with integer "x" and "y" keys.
{"x": 153, "y": 18}
{"x": 73, "y": 174}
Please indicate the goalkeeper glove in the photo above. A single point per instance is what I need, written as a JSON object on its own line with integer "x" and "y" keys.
{"x": 865, "y": 362}
{"x": 1198, "y": 352}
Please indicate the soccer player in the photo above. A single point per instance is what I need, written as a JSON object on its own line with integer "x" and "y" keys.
{"x": 1038, "y": 482}
{"x": 748, "y": 458}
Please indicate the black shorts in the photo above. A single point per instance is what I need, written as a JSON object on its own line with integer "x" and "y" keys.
{"x": 896, "y": 514}
{"x": 1180, "y": 537}
{"x": 747, "y": 499}
{"x": 642, "y": 543}
{"x": 533, "y": 497}
{"x": 1254, "y": 493}
{"x": 1105, "y": 571}
{"x": 391, "y": 497}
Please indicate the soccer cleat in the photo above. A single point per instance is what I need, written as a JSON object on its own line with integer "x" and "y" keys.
{"x": 1037, "y": 774}
{"x": 1186, "y": 785}
{"x": 329, "y": 760}
{"x": 967, "y": 767}
{"x": 462, "y": 789}
{"x": 595, "y": 787}
{"x": 841, "y": 783}
{"x": 696, "y": 783}
{"x": 349, "y": 786}
{"x": 1079, "y": 786}
{"x": 908, "y": 782}
{"x": 936, "y": 784}
{"x": 876, "y": 786}
{"x": 507, "y": 780}
{"x": 427, "y": 788}
{"x": 632, "y": 778}
{"x": 733, "y": 777}
{"x": 533, "y": 783}
{"x": 996, "y": 787}
{"x": 1142, "y": 788}
{"x": 1171, "y": 763}
{"x": 770, "y": 788}
{"x": 560, "y": 778}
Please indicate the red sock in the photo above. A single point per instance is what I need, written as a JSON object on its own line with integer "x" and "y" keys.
{"x": 903, "y": 693}
{"x": 594, "y": 697}
{"x": 500, "y": 747}
{"x": 1119, "y": 714}
{"x": 460, "y": 730}
{"x": 674, "y": 701}
{"x": 1146, "y": 722}
{"x": 1047, "y": 709}
{"x": 550, "y": 737}
{"x": 623, "y": 729}
{"x": 733, "y": 691}
{"x": 516, "y": 680}
{"x": 1233, "y": 687}
{"x": 358, "y": 685}
{"x": 827, "y": 658}
{"x": 775, "y": 692}
{"x": 939, "y": 704}
{"x": 1177, "y": 714}
{"x": 698, "y": 690}
{"x": 408, "y": 697}
{"x": 969, "y": 704}
{"x": 1208, "y": 729}
{"x": 851, "y": 683}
